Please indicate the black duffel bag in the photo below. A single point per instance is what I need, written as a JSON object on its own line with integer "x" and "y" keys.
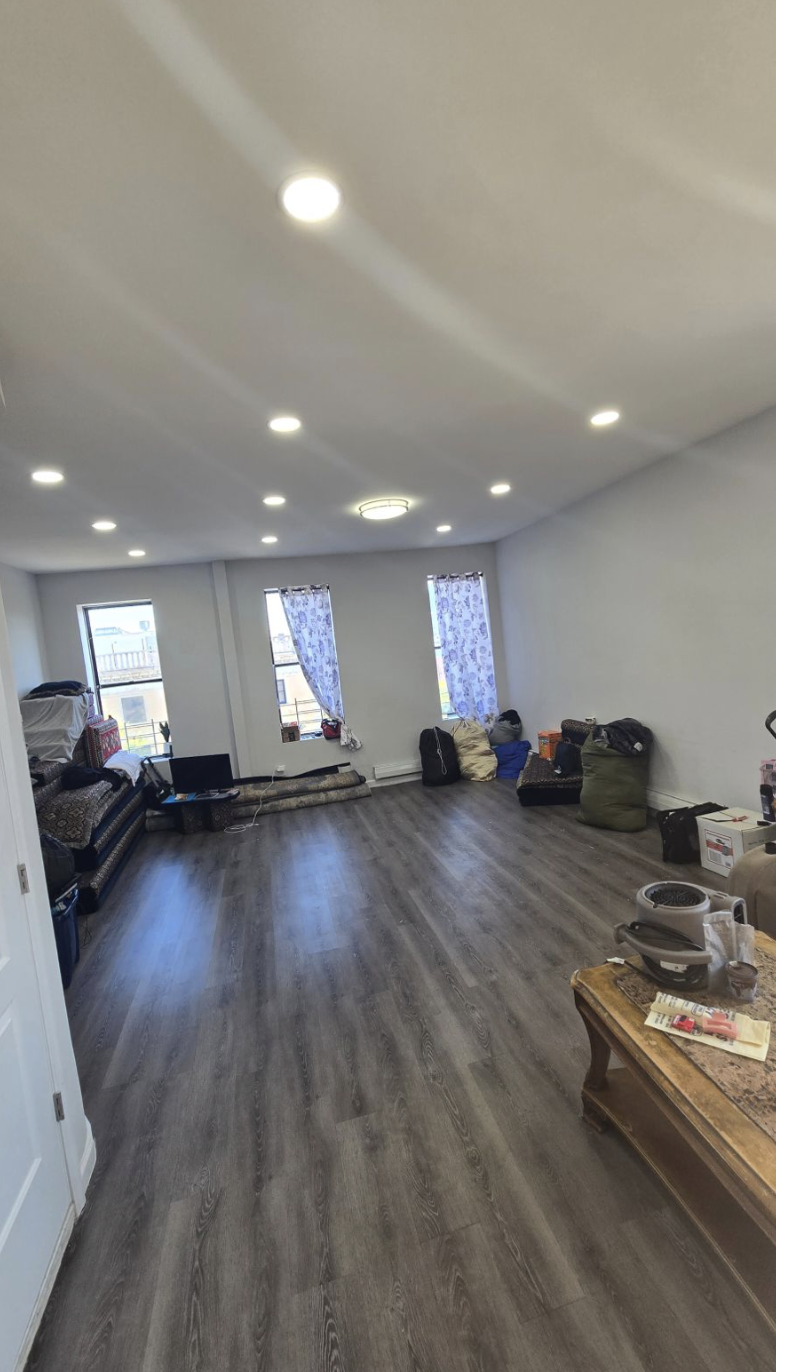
{"x": 679, "y": 831}
{"x": 439, "y": 762}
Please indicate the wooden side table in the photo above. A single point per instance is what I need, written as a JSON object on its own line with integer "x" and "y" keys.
{"x": 715, "y": 1159}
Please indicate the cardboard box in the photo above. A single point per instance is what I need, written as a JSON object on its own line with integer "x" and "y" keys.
{"x": 547, "y": 740}
{"x": 725, "y": 835}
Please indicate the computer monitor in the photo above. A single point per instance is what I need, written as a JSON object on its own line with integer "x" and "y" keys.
{"x": 209, "y": 773}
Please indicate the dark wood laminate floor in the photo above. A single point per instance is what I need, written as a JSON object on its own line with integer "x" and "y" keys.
{"x": 333, "y": 1069}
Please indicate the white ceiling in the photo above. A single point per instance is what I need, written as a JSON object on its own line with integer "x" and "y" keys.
{"x": 549, "y": 208}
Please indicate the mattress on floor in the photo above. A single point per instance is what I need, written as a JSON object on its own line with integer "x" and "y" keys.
{"x": 114, "y": 821}
{"x": 94, "y": 887}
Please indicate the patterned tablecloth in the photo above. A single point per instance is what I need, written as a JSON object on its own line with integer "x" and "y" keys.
{"x": 750, "y": 1085}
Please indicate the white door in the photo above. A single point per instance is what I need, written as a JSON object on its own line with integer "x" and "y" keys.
{"x": 34, "y": 1186}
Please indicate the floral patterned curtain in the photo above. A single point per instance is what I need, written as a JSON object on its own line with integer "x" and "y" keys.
{"x": 310, "y": 621}
{"x": 466, "y": 647}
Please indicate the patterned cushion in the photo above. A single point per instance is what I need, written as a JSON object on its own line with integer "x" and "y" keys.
{"x": 101, "y": 741}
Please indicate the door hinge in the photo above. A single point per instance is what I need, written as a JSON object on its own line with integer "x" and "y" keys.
{"x": 24, "y": 884}
{"x": 57, "y": 1101}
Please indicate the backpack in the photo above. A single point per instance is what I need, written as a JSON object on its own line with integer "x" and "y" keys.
{"x": 439, "y": 762}
{"x": 679, "y": 831}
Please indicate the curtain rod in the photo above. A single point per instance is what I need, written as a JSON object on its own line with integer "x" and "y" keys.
{"x": 288, "y": 589}
{"x": 456, "y": 576}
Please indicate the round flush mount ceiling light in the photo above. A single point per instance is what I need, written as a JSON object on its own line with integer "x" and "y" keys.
{"x": 47, "y": 476}
{"x": 269, "y": 538}
{"x": 604, "y": 417}
{"x": 310, "y": 198}
{"x": 444, "y": 528}
{"x": 137, "y": 552}
{"x": 274, "y": 500}
{"x": 500, "y": 488}
{"x": 285, "y": 424}
{"x": 391, "y": 508}
{"x": 103, "y": 526}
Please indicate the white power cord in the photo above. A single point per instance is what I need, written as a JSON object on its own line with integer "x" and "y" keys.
{"x": 251, "y": 824}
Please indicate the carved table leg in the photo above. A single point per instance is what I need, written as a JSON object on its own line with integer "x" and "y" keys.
{"x": 597, "y": 1076}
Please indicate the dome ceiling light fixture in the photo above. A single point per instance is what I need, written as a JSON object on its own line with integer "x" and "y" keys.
{"x": 274, "y": 500}
{"x": 603, "y": 418}
{"x": 270, "y": 538}
{"x": 390, "y": 508}
{"x": 500, "y": 488}
{"x": 284, "y": 424}
{"x": 444, "y": 528}
{"x": 137, "y": 552}
{"x": 311, "y": 199}
{"x": 103, "y": 526}
{"x": 47, "y": 476}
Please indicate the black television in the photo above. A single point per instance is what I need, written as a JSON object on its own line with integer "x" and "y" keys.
{"x": 209, "y": 773}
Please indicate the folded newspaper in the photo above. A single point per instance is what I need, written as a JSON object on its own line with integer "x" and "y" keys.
{"x": 726, "y": 1029}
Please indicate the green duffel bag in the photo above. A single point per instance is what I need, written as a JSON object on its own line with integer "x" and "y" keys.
{"x": 614, "y": 788}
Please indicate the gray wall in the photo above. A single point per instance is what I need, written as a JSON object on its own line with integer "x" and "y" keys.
{"x": 654, "y": 598}
{"x": 25, "y": 633}
{"x": 383, "y": 635}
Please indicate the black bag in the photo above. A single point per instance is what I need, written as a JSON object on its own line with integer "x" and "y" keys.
{"x": 58, "y": 865}
{"x": 679, "y": 831}
{"x": 566, "y": 762}
{"x": 439, "y": 762}
{"x": 67, "y": 937}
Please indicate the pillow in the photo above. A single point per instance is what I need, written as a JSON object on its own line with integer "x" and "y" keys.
{"x": 477, "y": 762}
{"x": 101, "y": 741}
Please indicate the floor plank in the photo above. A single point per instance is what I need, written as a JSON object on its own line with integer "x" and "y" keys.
{"x": 333, "y": 1067}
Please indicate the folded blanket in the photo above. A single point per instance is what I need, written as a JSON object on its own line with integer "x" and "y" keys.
{"x": 127, "y": 764}
{"x": 72, "y": 816}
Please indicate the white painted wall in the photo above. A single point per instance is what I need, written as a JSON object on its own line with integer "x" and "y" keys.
{"x": 383, "y": 634}
{"x": 655, "y": 598}
{"x": 184, "y": 610}
{"x": 25, "y": 631}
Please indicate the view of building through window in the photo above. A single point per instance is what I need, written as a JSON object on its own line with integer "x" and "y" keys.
{"x": 446, "y": 708}
{"x": 126, "y": 672}
{"x": 296, "y": 701}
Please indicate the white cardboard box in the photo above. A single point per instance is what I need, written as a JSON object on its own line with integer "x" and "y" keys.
{"x": 726, "y": 834}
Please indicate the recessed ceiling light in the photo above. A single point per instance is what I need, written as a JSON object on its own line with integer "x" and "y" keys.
{"x": 310, "y": 198}
{"x": 391, "y": 508}
{"x": 285, "y": 424}
{"x": 137, "y": 552}
{"x": 444, "y": 528}
{"x": 603, "y": 417}
{"x": 501, "y": 488}
{"x": 47, "y": 476}
{"x": 274, "y": 500}
{"x": 269, "y": 538}
{"x": 103, "y": 526}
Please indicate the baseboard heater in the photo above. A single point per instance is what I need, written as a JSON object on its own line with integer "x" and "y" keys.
{"x": 385, "y": 770}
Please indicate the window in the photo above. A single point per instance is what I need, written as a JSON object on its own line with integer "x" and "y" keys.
{"x": 297, "y": 703}
{"x": 459, "y": 602}
{"x": 125, "y": 668}
{"x": 446, "y": 708}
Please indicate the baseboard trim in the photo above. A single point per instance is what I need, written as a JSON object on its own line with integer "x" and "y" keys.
{"x": 44, "y": 1294}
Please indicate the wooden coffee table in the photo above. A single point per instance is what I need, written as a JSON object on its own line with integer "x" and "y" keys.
{"x": 714, "y": 1159}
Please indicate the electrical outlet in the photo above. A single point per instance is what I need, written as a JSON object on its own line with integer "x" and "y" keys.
{"x": 280, "y": 770}
{"x": 591, "y": 719}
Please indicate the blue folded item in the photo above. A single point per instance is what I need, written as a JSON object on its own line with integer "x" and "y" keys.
{"x": 512, "y": 757}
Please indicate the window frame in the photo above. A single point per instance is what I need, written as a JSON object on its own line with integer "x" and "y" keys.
{"x": 430, "y": 580}
{"x": 89, "y": 648}
{"x": 293, "y": 662}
